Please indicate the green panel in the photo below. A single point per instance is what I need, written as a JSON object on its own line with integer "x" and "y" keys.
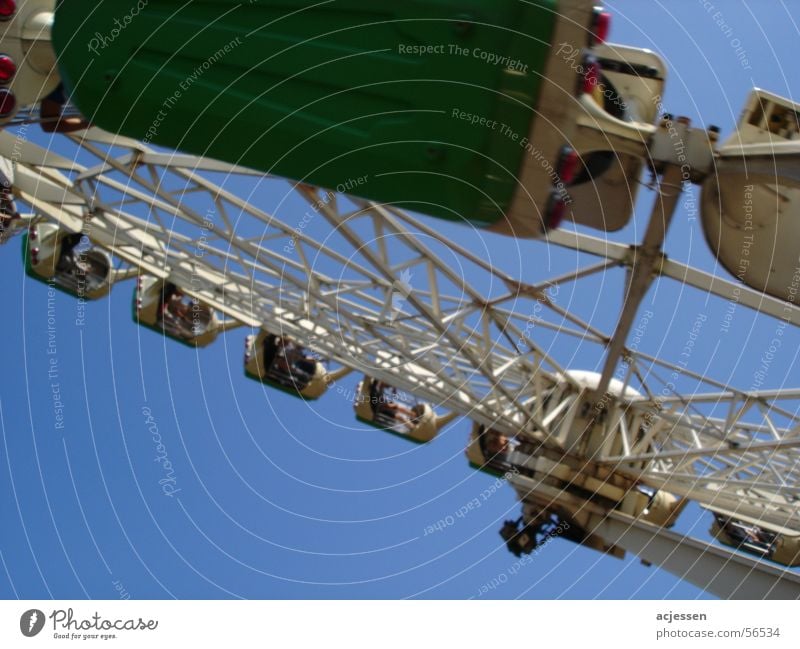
{"x": 327, "y": 93}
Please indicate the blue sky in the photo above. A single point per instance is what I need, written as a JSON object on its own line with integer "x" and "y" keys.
{"x": 279, "y": 499}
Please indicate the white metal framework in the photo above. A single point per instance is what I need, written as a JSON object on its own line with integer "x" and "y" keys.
{"x": 344, "y": 263}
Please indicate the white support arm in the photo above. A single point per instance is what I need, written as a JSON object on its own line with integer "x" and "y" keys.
{"x": 717, "y": 570}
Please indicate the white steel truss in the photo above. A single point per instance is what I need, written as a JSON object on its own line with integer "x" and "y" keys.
{"x": 463, "y": 345}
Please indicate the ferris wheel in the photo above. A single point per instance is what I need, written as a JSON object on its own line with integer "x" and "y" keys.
{"x": 610, "y": 451}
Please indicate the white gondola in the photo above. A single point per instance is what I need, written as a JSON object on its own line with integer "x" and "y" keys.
{"x": 162, "y": 306}
{"x": 379, "y": 405}
{"x": 68, "y": 261}
{"x": 280, "y": 362}
{"x": 618, "y": 117}
{"x": 488, "y": 450}
{"x": 754, "y": 537}
{"x": 751, "y": 204}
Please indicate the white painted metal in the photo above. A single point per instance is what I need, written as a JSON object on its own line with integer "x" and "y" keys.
{"x": 384, "y": 308}
{"x": 751, "y": 203}
{"x": 633, "y": 83}
{"x": 26, "y": 39}
{"x": 718, "y": 570}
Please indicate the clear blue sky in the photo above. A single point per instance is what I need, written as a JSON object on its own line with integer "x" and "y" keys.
{"x": 281, "y": 500}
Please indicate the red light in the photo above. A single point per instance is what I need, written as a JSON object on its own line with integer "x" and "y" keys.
{"x": 601, "y": 26}
{"x": 568, "y": 164}
{"x": 591, "y": 76}
{"x": 7, "y": 68}
{"x": 32, "y": 234}
{"x": 556, "y": 209}
{"x": 7, "y": 9}
{"x": 8, "y": 102}
{"x": 35, "y": 255}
